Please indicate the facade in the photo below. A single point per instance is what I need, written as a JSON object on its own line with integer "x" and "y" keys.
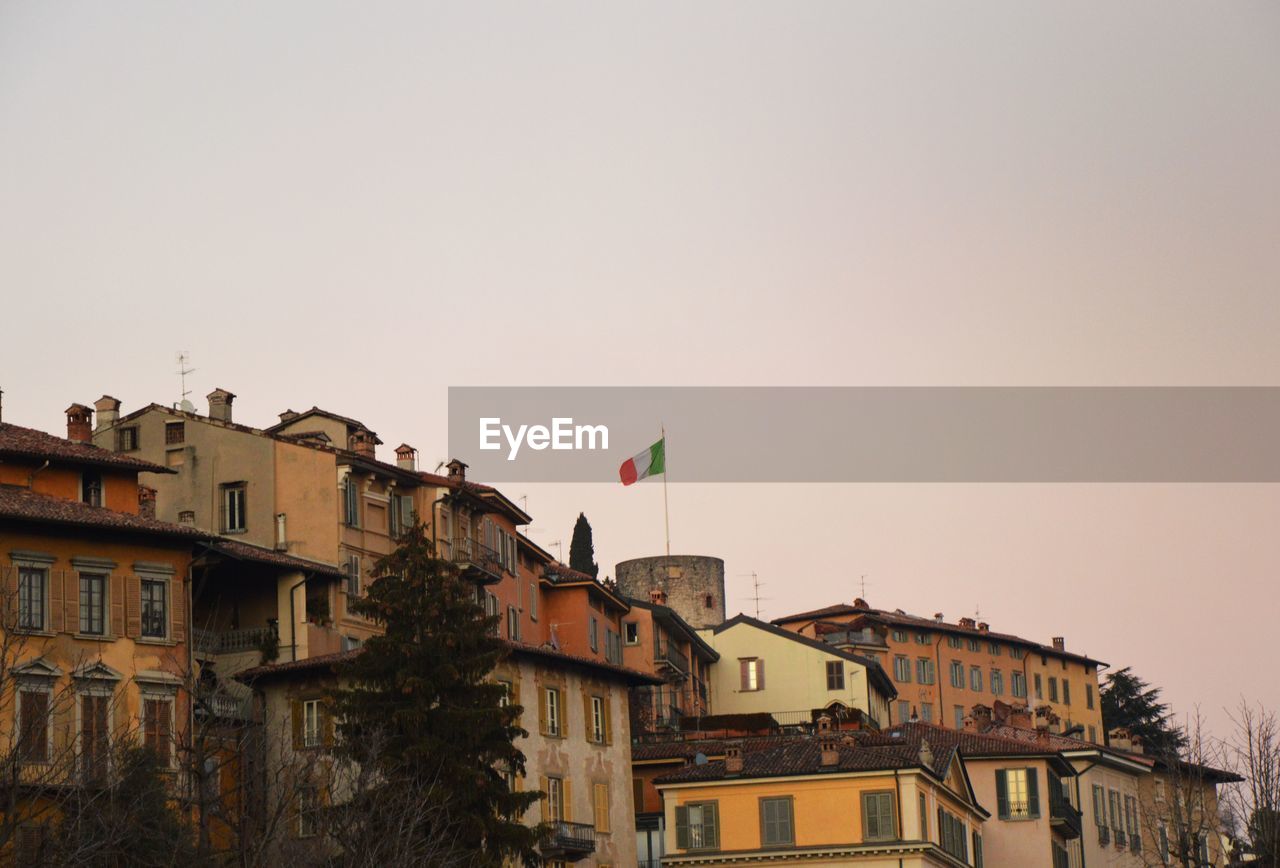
{"x": 942, "y": 669}
{"x": 766, "y": 669}
{"x": 658, "y": 641}
{"x": 827, "y": 798}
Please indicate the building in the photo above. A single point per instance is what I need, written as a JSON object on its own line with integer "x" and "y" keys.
{"x": 826, "y": 798}
{"x": 657, "y": 640}
{"x": 691, "y": 585}
{"x": 941, "y": 669}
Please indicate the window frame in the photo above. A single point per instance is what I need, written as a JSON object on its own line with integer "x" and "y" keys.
{"x": 147, "y": 698}
{"x": 789, "y": 821}
{"x": 41, "y": 573}
{"x": 312, "y": 723}
{"x": 835, "y": 674}
{"x": 234, "y": 498}
{"x": 23, "y": 689}
{"x": 864, "y": 800}
{"x": 86, "y": 610}
{"x": 144, "y": 604}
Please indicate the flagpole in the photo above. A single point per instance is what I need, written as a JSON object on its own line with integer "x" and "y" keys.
{"x": 666, "y": 509}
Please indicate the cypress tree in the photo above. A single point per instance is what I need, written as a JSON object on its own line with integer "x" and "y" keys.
{"x": 582, "y": 550}
{"x": 421, "y": 709}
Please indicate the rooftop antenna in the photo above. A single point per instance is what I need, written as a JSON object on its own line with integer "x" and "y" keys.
{"x": 755, "y": 590}
{"x": 559, "y": 544}
{"x": 184, "y": 356}
{"x": 524, "y": 502}
{"x": 862, "y": 583}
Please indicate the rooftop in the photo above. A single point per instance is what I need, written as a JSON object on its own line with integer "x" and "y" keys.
{"x": 22, "y": 504}
{"x": 23, "y": 442}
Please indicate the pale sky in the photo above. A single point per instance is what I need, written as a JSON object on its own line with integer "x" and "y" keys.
{"x": 359, "y": 205}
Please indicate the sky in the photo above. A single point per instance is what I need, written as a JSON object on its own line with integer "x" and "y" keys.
{"x": 359, "y": 205}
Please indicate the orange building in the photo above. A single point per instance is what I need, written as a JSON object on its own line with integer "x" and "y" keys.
{"x": 942, "y": 669}
{"x": 657, "y": 640}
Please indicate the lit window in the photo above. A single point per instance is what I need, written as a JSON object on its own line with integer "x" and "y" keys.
{"x": 233, "y": 503}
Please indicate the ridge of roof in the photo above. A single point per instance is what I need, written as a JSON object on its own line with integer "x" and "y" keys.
{"x": 34, "y": 443}
{"x": 23, "y": 504}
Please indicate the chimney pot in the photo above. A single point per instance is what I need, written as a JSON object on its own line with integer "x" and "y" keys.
{"x": 108, "y": 412}
{"x": 733, "y": 758}
{"x": 860, "y": 603}
{"x": 79, "y": 423}
{"x": 220, "y": 404}
{"x": 146, "y": 501}
{"x": 981, "y": 716}
{"x": 926, "y": 754}
{"x": 457, "y": 470}
{"x": 406, "y": 457}
{"x": 364, "y": 443}
{"x": 983, "y": 627}
{"x": 658, "y": 597}
{"x": 967, "y": 623}
{"x": 289, "y": 416}
{"x": 1059, "y": 643}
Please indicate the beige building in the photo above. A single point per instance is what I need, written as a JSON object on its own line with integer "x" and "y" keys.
{"x": 764, "y": 668}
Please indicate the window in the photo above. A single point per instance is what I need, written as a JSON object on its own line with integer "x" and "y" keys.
{"x": 513, "y": 623}
{"x": 977, "y": 850}
{"x": 835, "y": 675}
{"x": 953, "y": 641}
{"x": 157, "y": 724}
{"x": 1018, "y": 684}
{"x": 924, "y": 639}
{"x": 926, "y": 712}
{"x": 904, "y": 711}
{"x": 1066, "y": 692}
{"x": 311, "y": 723}
{"x": 1088, "y": 697}
{"x": 777, "y": 826}
{"x": 698, "y": 826}
{"x": 993, "y": 649}
{"x": 600, "y": 804}
{"x": 924, "y": 670}
{"x": 975, "y": 679}
{"x": 351, "y": 502}
{"x": 551, "y": 721}
{"x": 127, "y": 439}
{"x": 877, "y": 817}
{"x": 175, "y": 432}
{"x": 972, "y": 644}
{"x": 1093, "y": 733}
{"x": 751, "y": 673}
{"x": 959, "y": 716}
{"x": 91, "y": 488}
{"x": 93, "y": 603}
{"x": 1202, "y": 848}
{"x": 353, "y": 575}
{"x": 997, "y": 682}
{"x": 32, "y": 582}
{"x": 233, "y": 517}
{"x": 95, "y": 739}
{"x": 308, "y": 811}
{"x": 708, "y": 602}
{"x": 1061, "y": 859}
{"x": 1017, "y": 653}
{"x": 899, "y": 635}
{"x": 924, "y": 817}
{"x": 1099, "y": 806}
{"x": 901, "y": 669}
{"x": 155, "y": 608}
{"x": 957, "y": 674}
{"x": 631, "y": 632}
{"x": 508, "y": 691}
{"x": 1053, "y": 689}
{"x": 33, "y": 725}
{"x": 597, "y": 720}
{"x": 533, "y": 602}
{"x": 593, "y": 633}
{"x": 1017, "y": 794}
{"x": 952, "y": 835}
{"x": 1164, "y": 844}
{"x": 400, "y": 518}
{"x": 1113, "y": 800}
{"x": 1039, "y": 687}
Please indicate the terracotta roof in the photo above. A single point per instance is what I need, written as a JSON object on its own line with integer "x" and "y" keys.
{"x": 316, "y": 411}
{"x": 293, "y": 667}
{"x": 903, "y": 619}
{"x": 635, "y": 676}
{"x": 258, "y": 554}
{"x": 25, "y": 505}
{"x": 30, "y": 443}
{"x": 1062, "y": 743}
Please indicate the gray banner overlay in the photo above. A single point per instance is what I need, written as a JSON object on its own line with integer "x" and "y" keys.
{"x": 857, "y": 434}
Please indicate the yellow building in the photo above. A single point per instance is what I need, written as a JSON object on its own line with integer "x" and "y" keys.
{"x": 766, "y": 669}
{"x": 828, "y": 798}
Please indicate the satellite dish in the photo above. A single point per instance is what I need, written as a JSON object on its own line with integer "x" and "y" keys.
{"x": 186, "y": 406}
{"x": 700, "y": 759}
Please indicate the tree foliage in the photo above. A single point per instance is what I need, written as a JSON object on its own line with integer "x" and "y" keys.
{"x": 1130, "y": 702}
{"x": 421, "y": 711}
{"x": 582, "y": 550}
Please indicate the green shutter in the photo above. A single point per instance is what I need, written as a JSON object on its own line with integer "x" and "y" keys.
{"x": 682, "y": 827}
{"x": 1002, "y": 793}
{"x": 711, "y": 825}
{"x": 1033, "y": 793}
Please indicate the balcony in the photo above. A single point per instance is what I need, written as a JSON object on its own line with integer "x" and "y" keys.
{"x": 475, "y": 560}
{"x": 863, "y": 637}
{"x": 673, "y": 659}
{"x": 1064, "y": 817}
{"x": 233, "y": 641}
{"x": 568, "y": 842}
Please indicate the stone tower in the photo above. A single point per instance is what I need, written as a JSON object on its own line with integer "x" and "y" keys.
{"x": 693, "y": 584}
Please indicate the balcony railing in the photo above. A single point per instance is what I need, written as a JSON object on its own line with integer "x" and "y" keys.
{"x": 228, "y": 707}
{"x": 232, "y": 641}
{"x": 668, "y": 654}
{"x": 864, "y": 636}
{"x": 1065, "y": 816}
{"x": 569, "y": 842}
{"x": 475, "y": 559}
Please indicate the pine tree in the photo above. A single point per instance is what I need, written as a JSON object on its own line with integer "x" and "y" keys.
{"x": 422, "y": 710}
{"x": 582, "y": 550}
{"x": 1132, "y": 703}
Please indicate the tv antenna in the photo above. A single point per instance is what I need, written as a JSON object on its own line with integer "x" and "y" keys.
{"x": 559, "y": 544}
{"x": 184, "y": 357}
{"x": 755, "y": 590}
{"x": 862, "y": 584}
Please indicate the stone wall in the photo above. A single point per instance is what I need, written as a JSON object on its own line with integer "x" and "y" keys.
{"x": 694, "y": 585}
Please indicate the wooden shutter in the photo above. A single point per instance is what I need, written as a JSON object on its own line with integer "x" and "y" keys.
{"x": 1002, "y": 793}
{"x": 178, "y": 609}
{"x": 637, "y": 794}
{"x": 546, "y": 798}
{"x": 295, "y": 713}
{"x": 562, "y": 713}
{"x": 325, "y": 711}
{"x": 117, "y": 605}
{"x": 711, "y": 825}
{"x": 682, "y": 827}
{"x": 607, "y": 702}
{"x": 34, "y": 731}
{"x": 744, "y": 674}
{"x": 588, "y": 716}
{"x": 542, "y": 711}
{"x": 56, "y": 620}
{"x": 760, "y": 673}
{"x": 1033, "y": 793}
{"x": 132, "y": 606}
{"x": 600, "y": 801}
{"x": 71, "y": 602}
{"x": 566, "y": 793}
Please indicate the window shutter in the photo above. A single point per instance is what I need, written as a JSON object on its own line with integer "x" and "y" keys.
{"x": 55, "y": 600}
{"x": 566, "y": 788}
{"x": 1002, "y": 793}
{"x": 71, "y": 602}
{"x": 295, "y": 711}
{"x": 178, "y": 609}
{"x": 542, "y": 711}
{"x": 546, "y": 798}
{"x": 637, "y": 794}
{"x": 326, "y": 723}
{"x": 587, "y": 716}
{"x": 132, "y": 606}
{"x": 515, "y": 694}
{"x": 744, "y": 675}
{"x": 602, "y": 807}
{"x": 1033, "y": 793}
{"x": 711, "y": 825}
{"x": 608, "y": 720}
{"x": 682, "y": 827}
{"x": 117, "y": 605}
{"x": 563, "y": 720}
{"x": 760, "y": 674}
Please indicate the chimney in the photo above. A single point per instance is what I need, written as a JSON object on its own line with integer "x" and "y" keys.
{"x": 406, "y": 457}
{"x": 981, "y": 717}
{"x": 983, "y": 627}
{"x": 220, "y": 404}
{"x": 733, "y": 758}
{"x": 1119, "y": 739}
{"x": 1020, "y": 717}
{"x": 1000, "y": 711}
{"x": 968, "y": 623}
{"x": 860, "y": 603}
{"x": 926, "y": 754}
{"x": 146, "y": 501}
{"x": 1045, "y": 717}
{"x": 289, "y": 416}
{"x": 937, "y": 616}
{"x": 364, "y": 444}
{"x": 1059, "y": 643}
{"x": 457, "y": 470}
{"x": 79, "y": 423}
{"x": 828, "y": 743}
{"x": 658, "y": 597}
{"x": 108, "y": 412}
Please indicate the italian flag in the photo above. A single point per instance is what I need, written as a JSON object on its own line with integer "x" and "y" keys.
{"x": 650, "y": 462}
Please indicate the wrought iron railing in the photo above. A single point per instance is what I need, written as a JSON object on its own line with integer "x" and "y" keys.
{"x": 1062, "y": 811}
{"x": 465, "y": 550}
{"x": 865, "y": 636}
{"x": 566, "y": 837}
{"x": 667, "y": 653}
